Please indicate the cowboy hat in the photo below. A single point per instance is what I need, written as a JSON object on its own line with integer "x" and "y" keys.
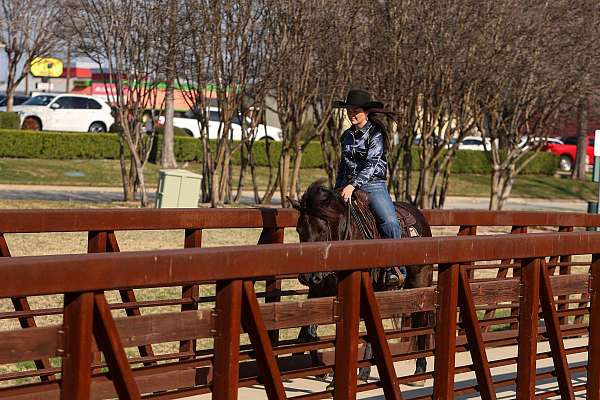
{"x": 358, "y": 98}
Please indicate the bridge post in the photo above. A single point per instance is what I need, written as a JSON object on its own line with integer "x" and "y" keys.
{"x": 593, "y": 369}
{"x": 346, "y": 332}
{"x": 193, "y": 239}
{"x": 528, "y": 328}
{"x": 77, "y": 358}
{"x": 445, "y": 331}
{"x": 228, "y": 309}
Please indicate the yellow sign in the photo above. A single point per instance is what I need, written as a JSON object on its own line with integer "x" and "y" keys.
{"x": 46, "y": 67}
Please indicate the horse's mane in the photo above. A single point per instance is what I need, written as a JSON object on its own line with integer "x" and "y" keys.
{"x": 318, "y": 200}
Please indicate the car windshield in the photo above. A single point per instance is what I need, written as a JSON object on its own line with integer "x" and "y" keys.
{"x": 42, "y": 100}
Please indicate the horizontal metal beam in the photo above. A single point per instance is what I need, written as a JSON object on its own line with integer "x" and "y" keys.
{"x": 34, "y": 221}
{"x": 31, "y": 221}
{"x": 25, "y": 276}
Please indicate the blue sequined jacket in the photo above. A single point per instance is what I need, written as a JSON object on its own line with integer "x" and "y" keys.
{"x": 364, "y": 156}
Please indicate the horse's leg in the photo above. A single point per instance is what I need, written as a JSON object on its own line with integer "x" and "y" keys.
{"x": 419, "y": 278}
{"x": 365, "y": 372}
{"x": 308, "y": 334}
{"x": 420, "y": 344}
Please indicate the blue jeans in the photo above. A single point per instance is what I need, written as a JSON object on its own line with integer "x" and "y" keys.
{"x": 384, "y": 210}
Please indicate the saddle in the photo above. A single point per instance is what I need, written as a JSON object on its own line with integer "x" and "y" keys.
{"x": 364, "y": 217}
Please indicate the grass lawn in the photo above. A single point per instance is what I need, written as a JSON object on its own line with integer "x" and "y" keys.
{"x": 107, "y": 173}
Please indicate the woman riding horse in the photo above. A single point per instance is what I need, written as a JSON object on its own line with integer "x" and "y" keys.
{"x": 363, "y": 165}
{"x": 325, "y": 214}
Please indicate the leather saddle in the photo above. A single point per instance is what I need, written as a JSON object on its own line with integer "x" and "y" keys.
{"x": 408, "y": 222}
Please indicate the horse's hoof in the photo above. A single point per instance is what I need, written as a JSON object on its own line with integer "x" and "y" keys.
{"x": 420, "y": 383}
{"x": 322, "y": 377}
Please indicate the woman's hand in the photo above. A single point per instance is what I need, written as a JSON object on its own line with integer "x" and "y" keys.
{"x": 347, "y": 192}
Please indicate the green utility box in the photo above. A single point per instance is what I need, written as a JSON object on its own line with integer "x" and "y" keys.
{"x": 178, "y": 188}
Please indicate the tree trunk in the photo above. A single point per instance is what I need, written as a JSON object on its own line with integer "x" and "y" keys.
{"x": 502, "y": 183}
{"x": 206, "y": 170}
{"x": 296, "y": 172}
{"x": 127, "y": 188}
{"x": 167, "y": 159}
{"x": 10, "y": 93}
{"x": 139, "y": 169}
{"x": 284, "y": 175}
{"x": 494, "y": 190}
{"x": 582, "y": 128}
{"x": 215, "y": 200}
{"x": 244, "y": 161}
{"x": 11, "y": 87}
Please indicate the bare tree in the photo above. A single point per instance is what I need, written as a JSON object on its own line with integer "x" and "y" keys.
{"x": 28, "y": 30}
{"x": 118, "y": 36}
{"x": 222, "y": 51}
{"x": 172, "y": 35}
{"x": 423, "y": 53}
{"x": 294, "y": 34}
{"x": 531, "y": 47}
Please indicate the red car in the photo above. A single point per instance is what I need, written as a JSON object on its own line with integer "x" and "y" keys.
{"x": 568, "y": 152}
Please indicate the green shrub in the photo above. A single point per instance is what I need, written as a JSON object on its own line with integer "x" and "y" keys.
{"x": 476, "y": 162}
{"x": 470, "y": 162}
{"x": 9, "y": 120}
{"x": 61, "y": 145}
{"x": 58, "y": 145}
{"x": 544, "y": 163}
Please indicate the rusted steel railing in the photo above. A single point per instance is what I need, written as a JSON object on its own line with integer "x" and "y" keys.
{"x": 88, "y": 323}
{"x": 101, "y": 224}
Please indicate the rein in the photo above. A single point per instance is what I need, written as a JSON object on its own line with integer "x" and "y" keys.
{"x": 360, "y": 220}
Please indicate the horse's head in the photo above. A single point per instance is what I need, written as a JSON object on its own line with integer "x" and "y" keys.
{"x": 322, "y": 214}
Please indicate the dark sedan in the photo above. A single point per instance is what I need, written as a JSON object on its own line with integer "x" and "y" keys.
{"x": 17, "y": 100}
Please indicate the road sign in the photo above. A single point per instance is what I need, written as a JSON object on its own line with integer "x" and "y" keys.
{"x": 45, "y": 86}
{"x": 46, "y": 67}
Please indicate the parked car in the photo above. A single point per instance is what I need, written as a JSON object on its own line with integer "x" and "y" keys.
{"x": 567, "y": 151}
{"x": 525, "y": 143}
{"x": 17, "y": 100}
{"x": 432, "y": 140}
{"x": 191, "y": 126}
{"x": 65, "y": 112}
{"x": 473, "y": 143}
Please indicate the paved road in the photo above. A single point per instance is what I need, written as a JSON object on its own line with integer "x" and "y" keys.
{"x": 114, "y": 194}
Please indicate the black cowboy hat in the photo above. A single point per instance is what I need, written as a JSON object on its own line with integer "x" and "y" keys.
{"x": 358, "y": 98}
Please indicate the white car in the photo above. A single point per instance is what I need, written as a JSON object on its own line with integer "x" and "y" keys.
{"x": 473, "y": 143}
{"x": 65, "y": 112}
{"x": 192, "y": 127}
{"x": 524, "y": 143}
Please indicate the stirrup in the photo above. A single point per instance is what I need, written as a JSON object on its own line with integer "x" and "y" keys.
{"x": 391, "y": 279}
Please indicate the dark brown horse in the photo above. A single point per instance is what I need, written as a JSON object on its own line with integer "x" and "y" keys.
{"x": 325, "y": 216}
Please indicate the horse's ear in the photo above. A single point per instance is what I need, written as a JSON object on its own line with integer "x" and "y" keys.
{"x": 294, "y": 203}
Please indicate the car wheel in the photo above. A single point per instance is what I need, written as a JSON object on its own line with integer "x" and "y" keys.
{"x": 32, "y": 124}
{"x": 565, "y": 163}
{"x": 97, "y": 127}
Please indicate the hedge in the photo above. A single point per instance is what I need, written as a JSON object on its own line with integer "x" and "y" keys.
{"x": 66, "y": 145}
{"x": 476, "y": 162}
{"x": 9, "y": 120}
